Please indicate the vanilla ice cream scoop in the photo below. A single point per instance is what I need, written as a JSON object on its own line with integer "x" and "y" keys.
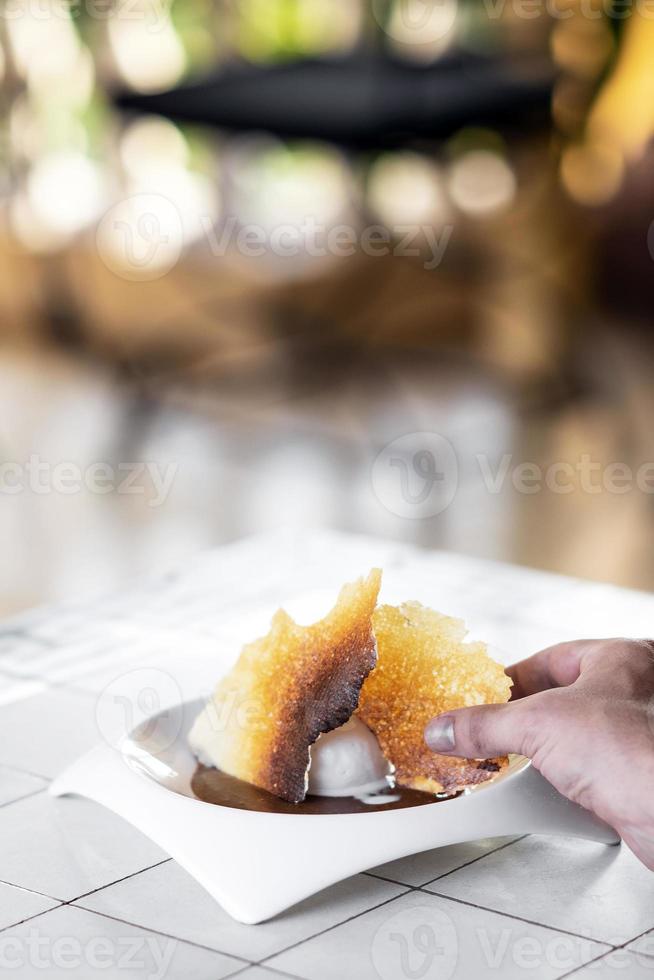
{"x": 348, "y": 762}
{"x": 344, "y": 762}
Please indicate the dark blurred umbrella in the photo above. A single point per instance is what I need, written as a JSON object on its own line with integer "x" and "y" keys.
{"x": 361, "y": 100}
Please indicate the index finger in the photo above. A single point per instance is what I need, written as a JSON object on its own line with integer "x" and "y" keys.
{"x": 557, "y": 666}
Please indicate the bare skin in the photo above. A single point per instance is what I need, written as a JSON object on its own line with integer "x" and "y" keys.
{"x": 583, "y": 712}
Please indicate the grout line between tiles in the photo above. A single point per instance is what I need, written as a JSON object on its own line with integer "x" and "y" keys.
{"x": 596, "y": 959}
{"x": 520, "y": 918}
{"x": 176, "y": 939}
{"x": 26, "y": 772}
{"x": 391, "y": 881}
{"x": 33, "y": 891}
{"x": 321, "y": 932}
{"x": 281, "y": 973}
{"x": 262, "y": 962}
{"x": 134, "y": 925}
{"x": 480, "y": 857}
{"x": 71, "y": 901}
{"x": 408, "y": 890}
{"x": 635, "y": 940}
{"x": 159, "y": 932}
{"x": 25, "y": 796}
{"x": 238, "y": 972}
{"x": 268, "y": 969}
{"x": 621, "y": 946}
{"x": 109, "y": 884}
{"x": 29, "y": 918}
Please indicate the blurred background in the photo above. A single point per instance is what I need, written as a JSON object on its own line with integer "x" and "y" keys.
{"x": 282, "y": 262}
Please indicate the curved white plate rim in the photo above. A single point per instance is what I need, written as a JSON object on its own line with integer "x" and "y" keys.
{"x": 259, "y": 864}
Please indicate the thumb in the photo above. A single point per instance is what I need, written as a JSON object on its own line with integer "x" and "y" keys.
{"x": 484, "y": 731}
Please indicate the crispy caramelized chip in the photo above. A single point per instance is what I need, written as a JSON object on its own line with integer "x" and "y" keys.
{"x": 288, "y": 688}
{"x": 423, "y": 669}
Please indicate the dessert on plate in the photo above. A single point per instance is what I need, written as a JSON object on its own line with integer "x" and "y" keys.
{"x": 337, "y": 710}
{"x": 286, "y": 690}
{"x": 425, "y": 668}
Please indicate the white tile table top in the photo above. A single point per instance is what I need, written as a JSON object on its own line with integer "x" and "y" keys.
{"x": 46, "y": 732}
{"x": 17, "y": 905}
{"x": 589, "y": 889}
{"x": 421, "y": 932}
{"x": 421, "y": 869}
{"x": 644, "y": 945}
{"x": 523, "y": 908}
{"x": 619, "y": 964}
{"x": 14, "y": 689}
{"x": 70, "y": 942}
{"x": 67, "y": 847}
{"x": 16, "y": 784}
{"x": 168, "y": 899}
{"x": 260, "y": 973}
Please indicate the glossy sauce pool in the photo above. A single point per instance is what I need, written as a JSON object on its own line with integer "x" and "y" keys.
{"x": 213, "y": 786}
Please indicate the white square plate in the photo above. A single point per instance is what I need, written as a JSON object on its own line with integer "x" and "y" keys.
{"x": 259, "y": 864}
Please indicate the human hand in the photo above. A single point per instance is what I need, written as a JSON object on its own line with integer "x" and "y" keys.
{"x": 583, "y": 712}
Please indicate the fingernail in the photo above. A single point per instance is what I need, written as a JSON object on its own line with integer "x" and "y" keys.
{"x": 439, "y": 734}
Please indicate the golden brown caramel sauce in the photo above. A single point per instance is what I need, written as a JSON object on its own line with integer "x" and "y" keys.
{"x": 214, "y": 786}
